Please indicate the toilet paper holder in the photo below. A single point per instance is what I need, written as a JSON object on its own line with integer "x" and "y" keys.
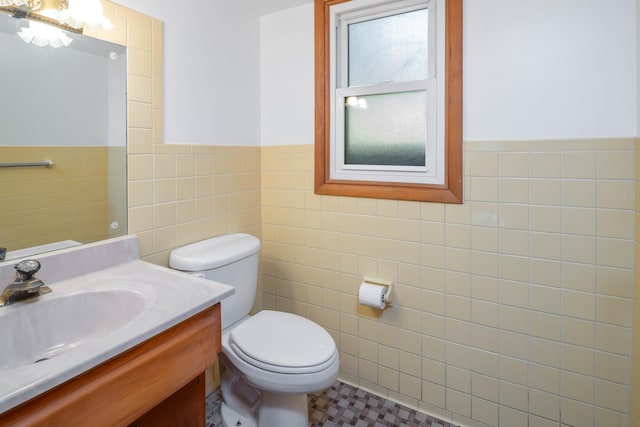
{"x": 380, "y": 282}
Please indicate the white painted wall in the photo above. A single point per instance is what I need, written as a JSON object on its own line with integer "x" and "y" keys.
{"x": 532, "y": 69}
{"x": 287, "y": 77}
{"x": 117, "y": 99}
{"x": 638, "y": 66}
{"x": 271, "y": 6}
{"x": 211, "y": 69}
{"x": 55, "y": 97}
{"x": 549, "y": 69}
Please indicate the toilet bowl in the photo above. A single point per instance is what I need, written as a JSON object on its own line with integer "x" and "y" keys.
{"x": 282, "y": 355}
{"x": 272, "y": 359}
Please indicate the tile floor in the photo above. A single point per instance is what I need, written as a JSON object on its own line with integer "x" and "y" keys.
{"x": 343, "y": 405}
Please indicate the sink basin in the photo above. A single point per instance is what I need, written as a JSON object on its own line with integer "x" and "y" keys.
{"x": 50, "y": 325}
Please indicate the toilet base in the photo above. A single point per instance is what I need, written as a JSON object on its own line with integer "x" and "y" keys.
{"x": 276, "y": 409}
{"x": 283, "y": 409}
{"x": 231, "y": 418}
{"x": 243, "y": 405}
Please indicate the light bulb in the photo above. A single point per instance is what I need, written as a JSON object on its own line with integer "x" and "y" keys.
{"x": 44, "y": 35}
{"x": 85, "y": 13}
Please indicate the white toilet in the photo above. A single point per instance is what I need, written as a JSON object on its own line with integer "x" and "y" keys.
{"x": 272, "y": 359}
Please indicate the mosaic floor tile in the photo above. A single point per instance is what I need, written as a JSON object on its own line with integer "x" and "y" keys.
{"x": 214, "y": 400}
{"x": 342, "y": 405}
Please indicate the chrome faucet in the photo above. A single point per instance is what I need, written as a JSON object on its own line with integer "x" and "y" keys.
{"x": 24, "y": 285}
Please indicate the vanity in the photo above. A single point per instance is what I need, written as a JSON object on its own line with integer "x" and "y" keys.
{"x": 118, "y": 342}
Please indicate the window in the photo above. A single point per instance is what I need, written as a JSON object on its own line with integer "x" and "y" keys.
{"x": 383, "y": 128}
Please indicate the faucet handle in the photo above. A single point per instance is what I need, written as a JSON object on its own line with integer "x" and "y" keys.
{"x": 26, "y": 269}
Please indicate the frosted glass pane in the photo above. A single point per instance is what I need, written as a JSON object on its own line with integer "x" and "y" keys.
{"x": 387, "y": 129}
{"x": 394, "y": 48}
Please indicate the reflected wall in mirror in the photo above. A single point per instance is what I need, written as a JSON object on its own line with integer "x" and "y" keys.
{"x": 65, "y": 105}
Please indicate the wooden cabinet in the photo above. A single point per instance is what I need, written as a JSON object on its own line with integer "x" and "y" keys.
{"x": 160, "y": 382}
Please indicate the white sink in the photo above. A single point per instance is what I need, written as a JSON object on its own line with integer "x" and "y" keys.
{"x": 104, "y": 301}
{"x": 48, "y": 326}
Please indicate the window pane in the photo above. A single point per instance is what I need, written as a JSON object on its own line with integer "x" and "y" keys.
{"x": 393, "y": 48}
{"x": 388, "y": 129}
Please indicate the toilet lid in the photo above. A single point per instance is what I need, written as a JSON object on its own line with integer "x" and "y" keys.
{"x": 283, "y": 342}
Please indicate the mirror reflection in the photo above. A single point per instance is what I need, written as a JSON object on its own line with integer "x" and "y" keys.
{"x": 63, "y": 109}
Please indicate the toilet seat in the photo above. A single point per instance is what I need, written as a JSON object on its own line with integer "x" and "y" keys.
{"x": 283, "y": 343}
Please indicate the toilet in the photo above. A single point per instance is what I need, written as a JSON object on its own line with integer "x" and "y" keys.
{"x": 272, "y": 359}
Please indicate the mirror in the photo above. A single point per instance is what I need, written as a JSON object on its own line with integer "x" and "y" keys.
{"x": 66, "y": 106}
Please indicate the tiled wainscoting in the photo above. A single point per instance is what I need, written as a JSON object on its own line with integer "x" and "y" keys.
{"x": 49, "y": 204}
{"x": 514, "y": 308}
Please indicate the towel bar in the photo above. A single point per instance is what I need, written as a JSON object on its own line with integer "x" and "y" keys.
{"x": 46, "y": 164}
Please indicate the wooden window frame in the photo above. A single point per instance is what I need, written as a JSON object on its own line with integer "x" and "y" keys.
{"x": 451, "y": 190}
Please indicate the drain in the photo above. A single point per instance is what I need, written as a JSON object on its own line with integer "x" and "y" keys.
{"x": 41, "y": 360}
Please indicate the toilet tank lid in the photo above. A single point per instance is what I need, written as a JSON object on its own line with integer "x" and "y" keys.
{"x": 214, "y": 252}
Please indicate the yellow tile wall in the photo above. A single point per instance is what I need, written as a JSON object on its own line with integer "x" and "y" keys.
{"x": 182, "y": 194}
{"x": 117, "y": 187}
{"x": 514, "y": 308}
{"x": 635, "y": 375}
{"x": 66, "y": 201}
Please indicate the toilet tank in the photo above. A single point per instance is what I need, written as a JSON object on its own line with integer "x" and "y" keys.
{"x": 231, "y": 259}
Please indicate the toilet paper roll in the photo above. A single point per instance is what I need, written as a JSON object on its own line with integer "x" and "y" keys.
{"x": 373, "y": 295}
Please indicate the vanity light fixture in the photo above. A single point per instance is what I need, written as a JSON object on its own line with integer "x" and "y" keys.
{"x": 33, "y": 9}
{"x": 46, "y": 15}
{"x": 13, "y": 2}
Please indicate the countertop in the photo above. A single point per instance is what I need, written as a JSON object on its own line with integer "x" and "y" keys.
{"x": 169, "y": 296}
